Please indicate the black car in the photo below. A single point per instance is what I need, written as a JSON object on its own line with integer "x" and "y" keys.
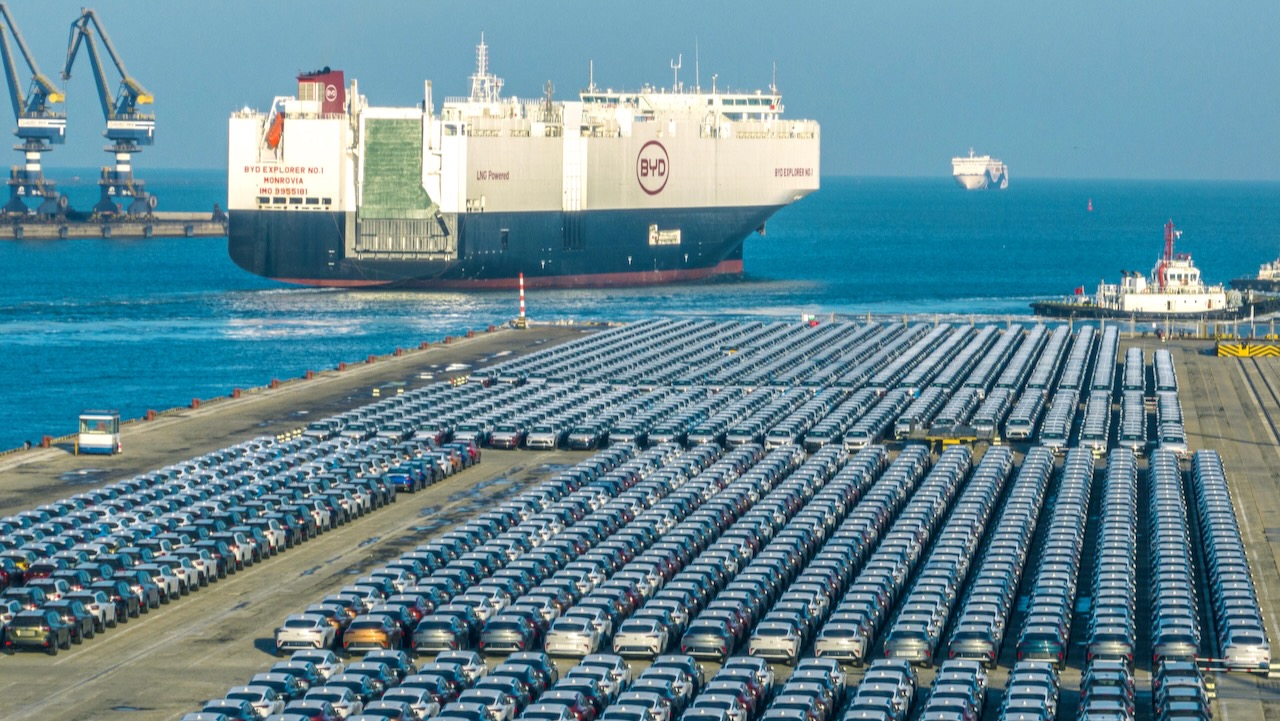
{"x": 74, "y": 614}
{"x": 37, "y": 629}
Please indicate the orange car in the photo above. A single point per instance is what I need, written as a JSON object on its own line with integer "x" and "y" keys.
{"x": 370, "y": 632}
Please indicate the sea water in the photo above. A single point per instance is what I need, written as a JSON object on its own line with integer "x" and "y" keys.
{"x": 152, "y": 324}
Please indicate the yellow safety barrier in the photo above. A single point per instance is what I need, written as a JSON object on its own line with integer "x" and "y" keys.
{"x": 1238, "y": 349}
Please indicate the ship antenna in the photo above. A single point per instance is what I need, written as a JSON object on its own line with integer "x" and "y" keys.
{"x": 591, "y": 76}
{"x": 697, "y": 72}
{"x": 485, "y": 87}
{"x": 675, "y": 73}
{"x": 773, "y": 84}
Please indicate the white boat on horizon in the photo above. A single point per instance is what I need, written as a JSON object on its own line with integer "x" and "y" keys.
{"x": 979, "y": 172}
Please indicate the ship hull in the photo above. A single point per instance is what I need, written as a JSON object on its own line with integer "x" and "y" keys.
{"x": 972, "y": 182}
{"x": 552, "y": 249}
{"x": 1083, "y": 311}
{"x": 1266, "y": 286}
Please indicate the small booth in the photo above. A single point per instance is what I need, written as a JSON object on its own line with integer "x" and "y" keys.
{"x": 99, "y": 432}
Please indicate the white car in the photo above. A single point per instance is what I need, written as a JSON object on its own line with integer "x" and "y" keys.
{"x": 96, "y": 602}
{"x": 473, "y": 665}
{"x": 501, "y": 705}
{"x": 161, "y": 575}
{"x": 188, "y": 576}
{"x": 304, "y": 631}
{"x": 424, "y": 705}
{"x": 572, "y": 635}
{"x": 325, "y": 661}
{"x": 264, "y": 699}
{"x": 342, "y": 699}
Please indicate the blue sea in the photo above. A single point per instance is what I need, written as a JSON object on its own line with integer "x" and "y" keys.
{"x": 152, "y": 324}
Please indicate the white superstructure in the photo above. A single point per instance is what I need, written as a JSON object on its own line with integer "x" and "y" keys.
{"x": 978, "y": 172}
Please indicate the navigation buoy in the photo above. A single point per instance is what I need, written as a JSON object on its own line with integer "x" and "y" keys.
{"x": 1090, "y": 205}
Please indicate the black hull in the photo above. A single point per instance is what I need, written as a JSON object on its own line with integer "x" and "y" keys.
{"x": 1265, "y": 286}
{"x": 551, "y": 249}
{"x": 1081, "y": 311}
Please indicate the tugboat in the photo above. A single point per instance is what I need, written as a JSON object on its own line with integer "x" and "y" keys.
{"x": 1175, "y": 290}
{"x": 1267, "y": 279}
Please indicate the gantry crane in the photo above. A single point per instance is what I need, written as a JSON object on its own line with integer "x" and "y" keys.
{"x": 39, "y": 126}
{"x": 127, "y": 127}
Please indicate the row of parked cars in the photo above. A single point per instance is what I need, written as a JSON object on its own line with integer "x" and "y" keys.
{"x": 1031, "y": 693}
{"x": 1242, "y": 639}
{"x": 1046, "y": 630}
{"x": 916, "y": 633}
{"x": 980, "y": 627}
{"x": 87, "y": 562}
{"x": 1175, "y": 609}
{"x": 1113, "y": 630}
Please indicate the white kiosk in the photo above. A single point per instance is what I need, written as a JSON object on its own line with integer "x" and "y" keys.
{"x": 99, "y": 432}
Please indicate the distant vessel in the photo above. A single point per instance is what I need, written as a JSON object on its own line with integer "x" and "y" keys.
{"x": 1175, "y": 290}
{"x": 979, "y": 172}
{"x": 1267, "y": 279}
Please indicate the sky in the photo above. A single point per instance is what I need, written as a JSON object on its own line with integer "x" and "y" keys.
{"x": 1177, "y": 89}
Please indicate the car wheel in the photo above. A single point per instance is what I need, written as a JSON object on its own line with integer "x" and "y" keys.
{"x": 153, "y": 602}
{"x": 204, "y": 581}
{"x": 99, "y": 627}
{"x": 52, "y": 650}
{"x": 66, "y": 645}
{"x": 164, "y": 598}
{"x": 113, "y": 622}
{"x": 90, "y": 633}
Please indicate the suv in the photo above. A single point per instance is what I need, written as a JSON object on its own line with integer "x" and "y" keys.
{"x": 42, "y": 629}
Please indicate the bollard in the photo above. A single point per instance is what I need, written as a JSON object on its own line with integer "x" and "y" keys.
{"x": 235, "y": 393}
{"x": 491, "y": 328}
{"x": 46, "y": 441}
{"x": 311, "y": 374}
{"x": 342, "y": 366}
{"x": 151, "y": 415}
{"x": 425, "y": 345}
{"x": 370, "y": 359}
{"x": 471, "y": 333}
{"x": 275, "y": 383}
{"x": 399, "y": 352}
{"x": 448, "y": 339}
{"x": 195, "y": 403}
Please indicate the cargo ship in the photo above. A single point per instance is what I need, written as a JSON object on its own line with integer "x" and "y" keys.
{"x": 615, "y": 188}
{"x": 1175, "y": 290}
{"x": 1267, "y": 279}
{"x": 979, "y": 172}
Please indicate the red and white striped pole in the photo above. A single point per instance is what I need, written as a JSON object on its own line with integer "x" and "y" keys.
{"x": 522, "y": 320}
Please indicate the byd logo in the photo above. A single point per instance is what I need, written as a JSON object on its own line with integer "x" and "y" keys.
{"x": 652, "y": 167}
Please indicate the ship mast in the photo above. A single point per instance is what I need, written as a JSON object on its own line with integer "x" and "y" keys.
{"x": 485, "y": 86}
{"x": 1162, "y": 270}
